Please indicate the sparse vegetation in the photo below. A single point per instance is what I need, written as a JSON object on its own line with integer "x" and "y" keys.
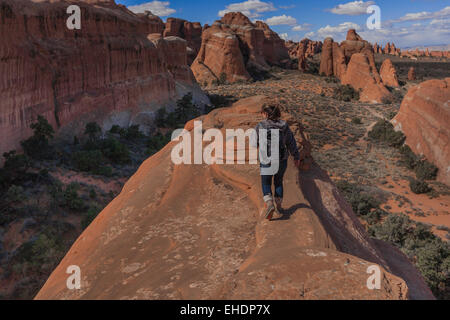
{"x": 384, "y": 131}
{"x": 419, "y": 186}
{"x": 346, "y": 93}
{"x": 430, "y": 254}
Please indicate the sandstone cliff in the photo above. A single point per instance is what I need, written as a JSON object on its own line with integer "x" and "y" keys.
{"x": 110, "y": 71}
{"x": 195, "y": 232}
{"x": 424, "y": 118}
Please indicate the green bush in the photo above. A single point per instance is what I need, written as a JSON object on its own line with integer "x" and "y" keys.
{"x": 87, "y": 160}
{"x": 115, "y": 151}
{"x": 362, "y": 203}
{"x": 356, "y": 121}
{"x": 425, "y": 170}
{"x": 72, "y": 199}
{"x": 184, "y": 111}
{"x": 132, "y": 133}
{"x": 419, "y": 187}
{"x": 346, "y": 93}
{"x": 430, "y": 253}
{"x": 93, "y": 131}
{"x": 37, "y": 146}
{"x": 157, "y": 142}
{"x": 384, "y": 131}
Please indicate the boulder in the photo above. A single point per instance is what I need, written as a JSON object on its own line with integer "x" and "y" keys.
{"x": 424, "y": 118}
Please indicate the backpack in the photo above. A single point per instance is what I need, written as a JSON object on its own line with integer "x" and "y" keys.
{"x": 282, "y": 139}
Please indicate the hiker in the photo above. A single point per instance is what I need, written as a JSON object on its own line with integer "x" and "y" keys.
{"x": 287, "y": 144}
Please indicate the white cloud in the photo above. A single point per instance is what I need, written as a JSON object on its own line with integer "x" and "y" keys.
{"x": 284, "y": 36}
{"x": 159, "y": 8}
{"x": 433, "y": 33}
{"x": 424, "y": 15}
{"x": 302, "y": 27}
{"x": 251, "y": 8}
{"x": 281, "y": 20}
{"x": 338, "y": 32}
{"x": 354, "y": 8}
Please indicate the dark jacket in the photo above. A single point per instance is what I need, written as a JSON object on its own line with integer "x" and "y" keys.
{"x": 286, "y": 136}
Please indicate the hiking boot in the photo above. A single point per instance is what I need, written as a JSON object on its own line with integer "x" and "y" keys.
{"x": 269, "y": 210}
{"x": 278, "y": 203}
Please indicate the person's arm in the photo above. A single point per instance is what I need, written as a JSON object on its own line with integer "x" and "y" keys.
{"x": 291, "y": 144}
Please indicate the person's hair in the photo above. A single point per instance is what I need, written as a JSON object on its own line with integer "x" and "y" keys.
{"x": 272, "y": 110}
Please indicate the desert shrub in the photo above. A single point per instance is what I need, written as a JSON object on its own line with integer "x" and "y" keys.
{"x": 14, "y": 169}
{"x": 409, "y": 159}
{"x": 425, "y": 170}
{"x": 430, "y": 254}
{"x": 132, "y": 133}
{"x": 71, "y": 198}
{"x": 419, "y": 186}
{"x": 384, "y": 131}
{"x": 93, "y": 131}
{"x": 105, "y": 171}
{"x": 160, "y": 117}
{"x": 346, "y": 93}
{"x": 362, "y": 202}
{"x": 115, "y": 151}
{"x": 157, "y": 142}
{"x": 37, "y": 146}
{"x": 89, "y": 216}
{"x": 356, "y": 120}
{"x": 87, "y": 160}
{"x": 185, "y": 110}
{"x": 116, "y": 129}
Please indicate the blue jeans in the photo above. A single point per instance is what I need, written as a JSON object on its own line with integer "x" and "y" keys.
{"x": 277, "y": 180}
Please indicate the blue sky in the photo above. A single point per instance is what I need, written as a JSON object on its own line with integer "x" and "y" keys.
{"x": 405, "y": 22}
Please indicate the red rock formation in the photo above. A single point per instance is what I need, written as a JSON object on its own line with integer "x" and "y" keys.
{"x": 361, "y": 76}
{"x": 157, "y": 241}
{"x": 336, "y": 60}
{"x": 389, "y": 74}
{"x": 107, "y": 70}
{"x": 412, "y": 74}
{"x": 326, "y": 59}
{"x": 274, "y": 50}
{"x": 424, "y": 118}
{"x": 189, "y": 31}
{"x": 306, "y": 49}
{"x": 258, "y": 46}
{"x": 219, "y": 57}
